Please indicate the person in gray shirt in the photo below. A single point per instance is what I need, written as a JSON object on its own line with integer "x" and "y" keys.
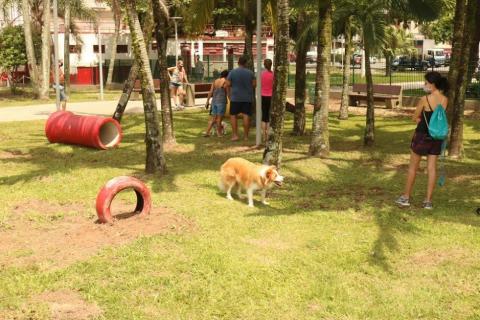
{"x": 240, "y": 86}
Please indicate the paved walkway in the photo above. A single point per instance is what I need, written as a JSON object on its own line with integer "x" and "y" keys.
{"x": 42, "y": 111}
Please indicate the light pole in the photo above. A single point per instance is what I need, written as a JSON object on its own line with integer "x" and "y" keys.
{"x": 100, "y": 65}
{"x": 55, "y": 54}
{"x": 258, "y": 119}
{"x": 175, "y": 22}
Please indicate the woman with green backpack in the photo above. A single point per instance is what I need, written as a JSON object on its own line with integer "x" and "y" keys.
{"x": 430, "y": 134}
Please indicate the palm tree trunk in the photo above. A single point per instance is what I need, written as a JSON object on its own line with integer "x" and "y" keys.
{"x": 347, "y": 56}
{"x": 161, "y": 27}
{"x": 32, "y": 60}
{"x": 249, "y": 15}
{"x": 129, "y": 84}
{"x": 113, "y": 44}
{"x": 300, "y": 78}
{"x": 126, "y": 92}
{"x": 46, "y": 40}
{"x": 473, "y": 61}
{"x": 320, "y": 144}
{"x": 66, "y": 53}
{"x": 369, "y": 137}
{"x": 464, "y": 34}
{"x": 273, "y": 148}
{"x": 155, "y": 161}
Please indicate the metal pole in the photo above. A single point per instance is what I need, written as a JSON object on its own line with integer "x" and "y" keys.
{"x": 258, "y": 132}
{"x": 100, "y": 65}
{"x": 55, "y": 54}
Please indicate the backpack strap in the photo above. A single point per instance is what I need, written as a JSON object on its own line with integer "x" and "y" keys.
{"x": 429, "y": 104}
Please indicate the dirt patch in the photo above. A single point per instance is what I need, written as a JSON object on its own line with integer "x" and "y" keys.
{"x": 66, "y": 240}
{"x": 68, "y": 305}
{"x": 436, "y": 257}
{"x": 178, "y": 148}
{"x": 14, "y": 154}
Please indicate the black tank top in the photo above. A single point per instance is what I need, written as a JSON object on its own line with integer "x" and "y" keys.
{"x": 422, "y": 125}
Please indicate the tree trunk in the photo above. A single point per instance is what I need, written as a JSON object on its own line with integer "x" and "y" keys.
{"x": 126, "y": 92}
{"x": 300, "y": 78}
{"x": 388, "y": 65}
{"x": 249, "y": 15}
{"x": 369, "y": 137}
{"x": 347, "y": 56}
{"x": 155, "y": 161}
{"x": 46, "y": 40}
{"x": 464, "y": 34}
{"x": 161, "y": 27}
{"x": 473, "y": 60}
{"x": 66, "y": 53}
{"x": 32, "y": 60}
{"x": 113, "y": 44}
{"x": 273, "y": 149}
{"x": 130, "y": 82}
{"x": 320, "y": 144}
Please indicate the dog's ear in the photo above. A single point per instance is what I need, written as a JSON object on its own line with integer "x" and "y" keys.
{"x": 270, "y": 172}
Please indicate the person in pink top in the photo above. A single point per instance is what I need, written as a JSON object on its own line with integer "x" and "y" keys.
{"x": 267, "y": 89}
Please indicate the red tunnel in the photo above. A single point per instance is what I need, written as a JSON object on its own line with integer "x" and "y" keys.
{"x": 91, "y": 131}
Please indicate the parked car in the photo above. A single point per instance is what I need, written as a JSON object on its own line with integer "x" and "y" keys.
{"x": 407, "y": 63}
{"x": 357, "y": 59}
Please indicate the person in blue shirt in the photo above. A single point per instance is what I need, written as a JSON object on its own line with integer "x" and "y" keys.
{"x": 240, "y": 87}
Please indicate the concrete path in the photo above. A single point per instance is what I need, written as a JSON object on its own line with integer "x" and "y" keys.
{"x": 42, "y": 111}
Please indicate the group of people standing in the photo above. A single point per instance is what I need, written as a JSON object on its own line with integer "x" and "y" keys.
{"x": 237, "y": 88}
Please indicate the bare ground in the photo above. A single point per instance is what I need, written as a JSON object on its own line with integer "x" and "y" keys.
{"x": 59, "y": 241}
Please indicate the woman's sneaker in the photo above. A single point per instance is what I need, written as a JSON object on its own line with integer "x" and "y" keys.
{"x": 427, "y": 205}
{"x": 403, "y": 201}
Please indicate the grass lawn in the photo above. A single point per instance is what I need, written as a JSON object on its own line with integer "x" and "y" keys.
{"x": 24, "y": 97}
{"x": 330, "y": 246}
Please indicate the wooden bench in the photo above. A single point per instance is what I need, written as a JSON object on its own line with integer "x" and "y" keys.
{"x": 200, "y": 90}
{"x": 391, "y": 95}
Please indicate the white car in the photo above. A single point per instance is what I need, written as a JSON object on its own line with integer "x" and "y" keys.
{"x": 311, "y": 56}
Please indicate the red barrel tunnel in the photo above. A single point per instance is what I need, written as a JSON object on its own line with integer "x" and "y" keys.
{"x": 90, "y": 131}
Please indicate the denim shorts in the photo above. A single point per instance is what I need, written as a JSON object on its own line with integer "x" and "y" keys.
{"x": 63, "y": 96}
{"x": 218, "y": 109}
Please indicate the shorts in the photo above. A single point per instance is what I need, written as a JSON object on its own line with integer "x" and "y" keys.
{"x": 423, "y": 145}
{"x": 218, "y": 109}
{"x": 175, "y": 85}
{"x": 63, "y": 96}
{"x": 266, "y": 103}
{"x": 240, "y": 107}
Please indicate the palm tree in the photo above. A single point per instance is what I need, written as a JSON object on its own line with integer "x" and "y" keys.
{"x": 320, "y": 144}
{"x": 273, "y": 148}
{"x": 466, "y": 12}
{"x": 347, "y": 56}
{"x": 46, "y": 39}
{"x": 161, "y": 26}
{"x": 372, "y": 20}
{"x": 305, "y": 34}
{"x": 155, "y": 161}
{"x": 117, "y": 15}
{"x": 32, "y": 60}
{"x": 397, "y": 41}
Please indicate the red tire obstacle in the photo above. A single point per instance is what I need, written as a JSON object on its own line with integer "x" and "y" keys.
{"x": 113, "y": 187}
{"x": 91, "y": 131}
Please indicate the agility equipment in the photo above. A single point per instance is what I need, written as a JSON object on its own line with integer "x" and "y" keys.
{"x": 90, "y": 131}
{"x": 113, "y": 187}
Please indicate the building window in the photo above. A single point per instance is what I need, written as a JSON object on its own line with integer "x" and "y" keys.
{"x": 95, "y": 48}
{"x": 122, "y": 48}
{"x": 75, "y": 49}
